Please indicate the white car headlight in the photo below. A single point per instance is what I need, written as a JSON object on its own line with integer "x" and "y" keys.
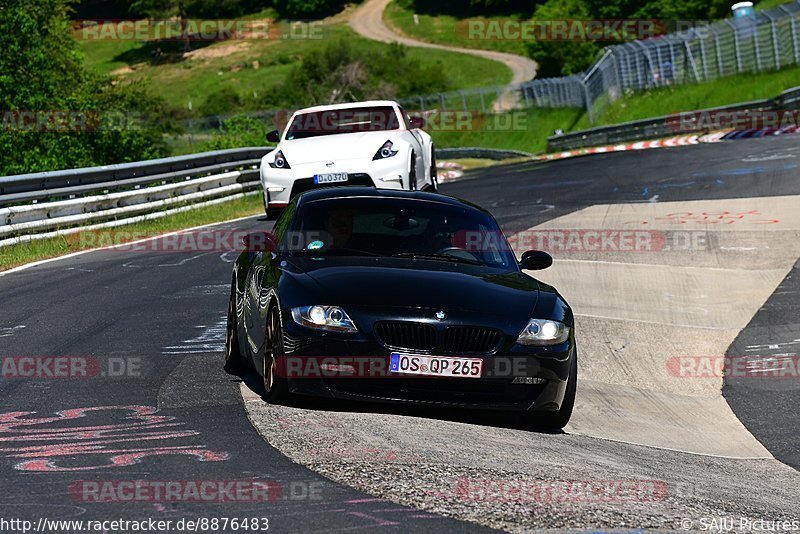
{"x": 543, "y": 332}
{"x": 386, "y": 151}
{"x": 280, "y": 162}
{"x": 331, "y": 318}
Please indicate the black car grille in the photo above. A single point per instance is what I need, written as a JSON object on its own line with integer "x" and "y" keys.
{"x": 408, "y": 336}
{"x": 471, "y": 340}
{"x": 354, "y": 179}
{"x": 426, "y": 338}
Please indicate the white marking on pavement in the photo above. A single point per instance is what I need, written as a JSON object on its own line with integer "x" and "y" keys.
{"x": 9, "y": 331}
{"x": 127, "y": 244}
{"x": 210, "y": 339}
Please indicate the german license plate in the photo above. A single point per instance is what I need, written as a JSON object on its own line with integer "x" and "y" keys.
{"x": 413, "y": 364}
{"x": 332, "y": 178}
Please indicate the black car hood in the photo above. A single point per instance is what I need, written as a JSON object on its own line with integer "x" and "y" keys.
{"x": 419, "y": 284}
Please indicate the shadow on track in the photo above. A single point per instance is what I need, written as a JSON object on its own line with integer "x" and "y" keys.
{"x": 491, "y": 418}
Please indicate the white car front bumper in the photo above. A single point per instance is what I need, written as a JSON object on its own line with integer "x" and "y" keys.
{"x": 282, "y": 184}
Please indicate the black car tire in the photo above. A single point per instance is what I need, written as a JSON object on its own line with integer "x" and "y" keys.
{"x": 235, "y": 362}
{"x": 554, "y": 421}
{"x": 276, "y": 387}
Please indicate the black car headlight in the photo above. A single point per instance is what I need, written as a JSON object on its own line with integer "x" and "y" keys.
{"x": 386, "y": 151}
{"x": 280, "y": 162}
{"x": 543, "y": 332}
{"x": 331, "y": 318}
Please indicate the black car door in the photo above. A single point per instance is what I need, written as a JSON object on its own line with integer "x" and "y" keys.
{"x": 262, "y": 279}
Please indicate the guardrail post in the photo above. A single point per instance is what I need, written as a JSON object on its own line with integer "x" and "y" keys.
{"x": 442, "y": 98}
{"x": 483, "y": 102}
{"x": 463, "y": 100}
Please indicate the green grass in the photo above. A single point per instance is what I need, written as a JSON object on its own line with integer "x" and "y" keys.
{"x": 721, "y": 92}
{"x": 768, "y": 4}
{"x": 255, "y": 67}
{"x": 20, "y": 254}
{"x": 526, "y": 131}
{"x": 447, "y": 30}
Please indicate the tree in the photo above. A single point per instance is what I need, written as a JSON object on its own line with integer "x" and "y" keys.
{"x": 42, "y": 76}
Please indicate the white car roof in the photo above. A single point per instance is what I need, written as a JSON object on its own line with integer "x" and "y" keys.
{"x": 350, "y": 105}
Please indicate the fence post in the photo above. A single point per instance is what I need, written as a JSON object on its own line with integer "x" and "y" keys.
{"x": 756, "y": 47}
{"x": 775, "y": 42}
{"x": 463, "y": 100}
{"x": 794, "y": 34}
{"x": 441, "y": 98}
{"x": 588, "y": 101}
{"x": 703, "y": 57}
{"x": 718, "y": 48}
{"x": 736, "y": 46}
{"x": 422, "y": 104}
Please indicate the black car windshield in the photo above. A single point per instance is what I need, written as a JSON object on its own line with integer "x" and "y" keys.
{"x": 401, "y": 228}
{"x": 341, "y": 121}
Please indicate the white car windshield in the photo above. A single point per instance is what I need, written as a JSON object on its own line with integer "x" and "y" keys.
{"x": 342, "y": 121}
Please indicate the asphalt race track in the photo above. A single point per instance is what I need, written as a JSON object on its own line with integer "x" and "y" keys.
{"x": 721, "y": 279}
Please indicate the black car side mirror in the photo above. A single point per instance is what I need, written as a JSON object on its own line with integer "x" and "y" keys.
{"x": 274, "y": 136}
{"x": 417, "y": 122}
{"x": 536, "y": 260}
{"x": 259, "y": 242}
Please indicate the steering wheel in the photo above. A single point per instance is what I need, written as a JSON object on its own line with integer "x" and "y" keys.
{"x": 456, "y": 252}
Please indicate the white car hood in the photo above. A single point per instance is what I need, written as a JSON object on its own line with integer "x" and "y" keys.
{"x": 338, "y": 147}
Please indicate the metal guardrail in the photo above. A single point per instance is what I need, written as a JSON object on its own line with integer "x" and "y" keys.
{"x": 50, "y": 204}
{"x": 79, "y": 182}
{"x": 665, "y": 126}
{"x": 34, "y": 206}
{"x": 480, "y": 153}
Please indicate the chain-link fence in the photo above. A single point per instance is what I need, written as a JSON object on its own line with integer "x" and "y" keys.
{"x": 768, "y": 40}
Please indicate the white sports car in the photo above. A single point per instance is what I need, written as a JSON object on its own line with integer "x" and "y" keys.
{"x": 372, "y": 144}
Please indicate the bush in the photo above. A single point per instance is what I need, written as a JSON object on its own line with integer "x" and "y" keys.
{"x": 309, "y": 9}
{"x": 338, "y": 73}
{"x": 222, "y": 101}
{"x": 239, "y": 131}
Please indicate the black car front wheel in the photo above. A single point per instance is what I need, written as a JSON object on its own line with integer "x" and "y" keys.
{"x": 276, "y": 387}
{"x": 553, "y": 421}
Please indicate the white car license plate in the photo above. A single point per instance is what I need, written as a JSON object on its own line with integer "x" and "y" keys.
{"x": 330, "y": 178}
{"x": 413, "y": 364}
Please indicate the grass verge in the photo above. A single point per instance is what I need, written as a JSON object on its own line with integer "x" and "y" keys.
{"x": 42, "y": 249}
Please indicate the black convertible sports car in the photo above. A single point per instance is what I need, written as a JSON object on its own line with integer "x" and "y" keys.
{"x": 406, "y": 297}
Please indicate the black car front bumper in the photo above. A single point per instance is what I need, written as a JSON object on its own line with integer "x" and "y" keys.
{"x": 315, "y": 364}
